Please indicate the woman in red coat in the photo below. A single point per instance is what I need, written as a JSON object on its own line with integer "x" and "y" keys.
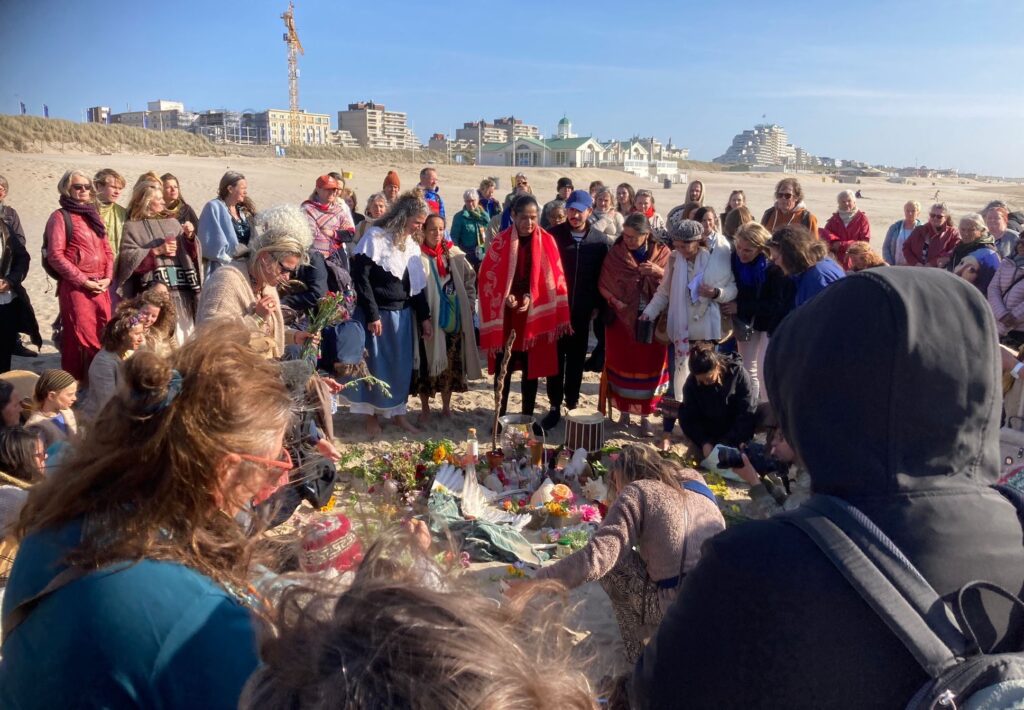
{"x": 85, "y": 265}
{"x": 932, "y": 243}
{"x": 845, "y": 227}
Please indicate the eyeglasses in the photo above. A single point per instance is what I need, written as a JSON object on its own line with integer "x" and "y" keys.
{"x": 282, "y": 463}
{"x": 937, "y": 216}
{"x": 282, "y": 269}
{"x": 784, "y": 195}
{"x": 82, "y": 186}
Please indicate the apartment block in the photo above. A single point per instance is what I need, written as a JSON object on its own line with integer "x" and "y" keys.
{"x": 375, "y": 127}
{"x": 275, "y": 125}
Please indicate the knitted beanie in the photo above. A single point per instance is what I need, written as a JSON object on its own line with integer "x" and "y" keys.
{"x": 392, "y": 179}
{"x": 330, "y": 543}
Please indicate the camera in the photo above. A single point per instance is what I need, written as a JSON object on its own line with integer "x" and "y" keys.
{"x": 762, "y": 462}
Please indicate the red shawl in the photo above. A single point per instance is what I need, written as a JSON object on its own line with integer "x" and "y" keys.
{"x": 437, "y": 254}
{"x": 620, "y": 277}
{"x": 548, "y": 317}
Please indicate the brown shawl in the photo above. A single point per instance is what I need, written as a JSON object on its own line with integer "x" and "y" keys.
{"x": 620, "y": 277}
{"x": 141, "y": 237}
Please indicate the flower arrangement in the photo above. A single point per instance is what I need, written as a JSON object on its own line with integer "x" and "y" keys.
{"x": 330, "y": 309}
{"x": 561, "y": 493}
{"x": 515, "y": 506}
{"x": 587, "y": 513}
{"x": 558, "y": 509}
{"x": 437, "y": 451}
{"x": 516, "y": 571}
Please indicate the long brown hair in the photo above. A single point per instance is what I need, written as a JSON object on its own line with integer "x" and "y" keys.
{"x": 390, "y": 641}
{"x": 147, "y": 480}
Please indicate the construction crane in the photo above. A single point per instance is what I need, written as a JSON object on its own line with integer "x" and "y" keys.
{"x": 291, "y": 38}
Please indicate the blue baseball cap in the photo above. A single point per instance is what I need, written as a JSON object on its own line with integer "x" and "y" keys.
{"x": 579, "y": 200}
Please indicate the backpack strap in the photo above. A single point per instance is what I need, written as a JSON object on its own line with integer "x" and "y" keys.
{"x": 702, "y": 489}
{"x": 884, "y": 578}
{"x": 68, "y": 228}
{"x": 18, "y": 614}
{"x": 1012, "y": 494}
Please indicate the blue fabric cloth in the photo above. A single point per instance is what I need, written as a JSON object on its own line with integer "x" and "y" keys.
{"x": 216, "y": 233}
{"x": 752, "y": 274}
{"x": 152, "y": 634}
{"x": 491, "y": 206}
{"x": 389, "y": 358}
{"x": 812, "y": 281}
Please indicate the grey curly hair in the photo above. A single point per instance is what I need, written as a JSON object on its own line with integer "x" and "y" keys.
{"x": 406, "y": 207}
{"x": 281, "y": 231}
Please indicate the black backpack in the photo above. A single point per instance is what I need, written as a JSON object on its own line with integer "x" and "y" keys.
{"x": 50, "y": 271}
{"x": 941, "y": 639}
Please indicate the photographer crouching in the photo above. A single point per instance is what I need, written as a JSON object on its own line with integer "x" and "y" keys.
{"x": 772, "y": 471}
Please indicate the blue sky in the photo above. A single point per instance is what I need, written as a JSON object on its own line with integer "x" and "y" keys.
{"x": 934, "y": 83}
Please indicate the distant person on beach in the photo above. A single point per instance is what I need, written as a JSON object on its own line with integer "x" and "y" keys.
{"x": 695, "y": 193}
{"x": 448, "y": 355}
{"x": 523, "y": 289}
{"x": 392, "y": 186}
{"x": 225, "y": 226}
{"x": 635, "y": 360}
{"x": 488, "y": 202}
{"x": 520, "y": 186}
{"x": 431, "y": 190}
{"x": 932, "y": 243}
{"x": 108, "y": 185}
{"x": 789, "y": 208}
{"x": 376, "y": 206}
{"x": 625, "y": 199}
{"x": 9, "y": 216}
{"x": 389, "y": 280}
{"x": 155, "y": 249}
{"x": 997, "y": 220}
{"x": 644, "y": 204}
{"x": 896, "y": 236}
{"x": 595, "y": 185}
{"x": 734, "y": 220}
{"x": 176, "y": 207}
{"x": 469, "y": 226}
{"x": 737, "y": 199}
{"x": 245, "y": 290}
{"x": 16, "y": 312}
{"x": 583, "y": 250}
{"x": 660, "y": 516}
{"x": 85, "y": 264}
{"x": 847, "y": 225}
{"x": 347, "y": 196}
{"x": 605, "y": 217}
{"x": 978, "y": 246}
{"x": 159, "y": 585}
{"x": 330, "y": 219}
{"x": 562, "y": 192}
{"x": 767, "y": 619}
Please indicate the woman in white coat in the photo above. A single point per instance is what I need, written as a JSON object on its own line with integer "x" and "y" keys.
{"x": 695, "y": 283}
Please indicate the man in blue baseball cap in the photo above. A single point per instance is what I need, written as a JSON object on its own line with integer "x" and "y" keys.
{"x": 583, "y": 250}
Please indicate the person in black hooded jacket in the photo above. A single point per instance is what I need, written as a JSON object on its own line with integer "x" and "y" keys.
{"x": 890, "y": 412}
{"x": 718, "y": 400}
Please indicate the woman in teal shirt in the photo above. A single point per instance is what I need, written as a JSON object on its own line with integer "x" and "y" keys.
{"x": 131, "y": 584}
{"x": 467, "y": 227}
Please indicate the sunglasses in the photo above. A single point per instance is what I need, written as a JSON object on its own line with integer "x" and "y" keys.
{"x": 936, "y": 216}
{"x": 83, "y": 186}
{"x": 784, "y": 195}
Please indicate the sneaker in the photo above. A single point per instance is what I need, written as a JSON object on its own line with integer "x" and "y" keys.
{"x": 21, "y": 351}
{"x": 551, "y": 419}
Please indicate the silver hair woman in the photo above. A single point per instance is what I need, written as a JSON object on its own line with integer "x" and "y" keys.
{"x": 246, "y": 289}
{"x": 389, "y": 280}
{"x": 975, "y": 258}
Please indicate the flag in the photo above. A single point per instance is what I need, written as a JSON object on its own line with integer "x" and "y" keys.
{"x": 46, "y": 111}
{"x": 143, "y": 119}
{"x": 23, "y": 109}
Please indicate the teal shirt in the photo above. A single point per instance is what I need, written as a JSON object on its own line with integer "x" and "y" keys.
{"x": 152, "y": 634}
{"x": 466, "y": 228}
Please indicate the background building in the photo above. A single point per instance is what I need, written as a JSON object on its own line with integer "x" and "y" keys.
{"x": 160, "y": 115}
{"x": 275, "y": 125}
{"x": 765, "y": 144}
{"x": 373, "y": 126}
{"x": 98, "y": 114}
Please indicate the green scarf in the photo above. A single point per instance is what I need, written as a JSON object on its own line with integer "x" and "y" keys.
{"x": 113, "y": 215}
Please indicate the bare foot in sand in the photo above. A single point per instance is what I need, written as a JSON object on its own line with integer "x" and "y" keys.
{"x": 423, "y": 417}
{"x": 372, "y": 426}
{"x": 403, "y": 421}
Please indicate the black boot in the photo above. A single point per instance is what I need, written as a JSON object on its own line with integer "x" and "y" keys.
{"x": 21, "y": 351}
{"x": 551, "y": 419}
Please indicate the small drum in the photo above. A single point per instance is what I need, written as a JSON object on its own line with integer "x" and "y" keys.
{"x": 584, "y": 429}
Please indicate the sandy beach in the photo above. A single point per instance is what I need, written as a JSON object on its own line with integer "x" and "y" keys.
{"x": 33, "y": 193}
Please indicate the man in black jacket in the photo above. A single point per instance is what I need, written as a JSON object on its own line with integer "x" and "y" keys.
{"x": 887, "y": 386}
{"x": 583, "y": 250}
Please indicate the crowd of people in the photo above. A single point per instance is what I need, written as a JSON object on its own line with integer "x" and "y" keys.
{"x": 137, "y": 480}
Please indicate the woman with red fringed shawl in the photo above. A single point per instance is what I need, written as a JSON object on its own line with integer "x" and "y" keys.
{"x": 522, "y": 288}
